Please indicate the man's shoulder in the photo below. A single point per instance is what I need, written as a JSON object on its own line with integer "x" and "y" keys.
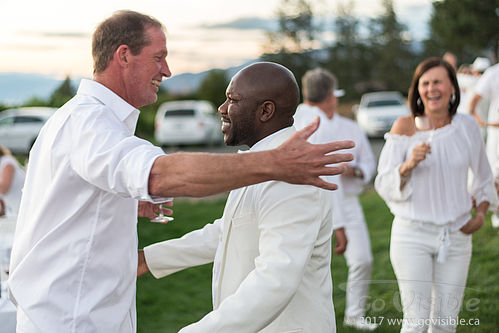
{"x": 348, "y": 122}
{"x": 280, "y": 189}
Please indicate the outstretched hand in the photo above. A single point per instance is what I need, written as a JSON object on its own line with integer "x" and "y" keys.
{"x": 301, "y": 162}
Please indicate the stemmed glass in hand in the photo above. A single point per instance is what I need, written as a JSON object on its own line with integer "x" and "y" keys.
{"x": 162, "y": 218}
{"x": 423, "y": 123}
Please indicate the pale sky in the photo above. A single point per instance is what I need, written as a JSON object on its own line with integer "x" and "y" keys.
{"x": 54, "y": 36}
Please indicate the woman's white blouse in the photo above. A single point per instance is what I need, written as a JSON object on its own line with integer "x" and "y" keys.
{"x": 437, "y": 189}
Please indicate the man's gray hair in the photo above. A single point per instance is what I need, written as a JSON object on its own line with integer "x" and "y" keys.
{"x": 317, "y": 84}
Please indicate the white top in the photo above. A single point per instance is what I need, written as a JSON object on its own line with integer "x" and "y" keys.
{"x": 436, "y": 191}
{"x": 12, "y": 198}
{"x": 272, "y": 253}
{"x": 488, "y": 87}
{"x": 334, "y": 129}
{"x": 74, "y": 257}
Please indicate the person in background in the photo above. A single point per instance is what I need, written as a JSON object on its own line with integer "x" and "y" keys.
{"x": 320, "y": 94}
{"x": 272, "y": 247}
{"x": 423, "y": 176}
{"x": 467, "y": 77}
{"x": 12, "y": 177}
{"x": 74, "y": 258}
{"x": 487, "y": 88}
{"x": 451, "y": 59}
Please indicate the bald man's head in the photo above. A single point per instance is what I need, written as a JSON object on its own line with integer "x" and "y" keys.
{"x": 261, "y": 99}
{"x": 271, "y": 81}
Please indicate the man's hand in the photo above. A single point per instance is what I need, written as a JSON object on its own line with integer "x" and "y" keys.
{"x": 142, "y": 265}
{"x": 150, "y": 210}
{"x": 341, "y": 241}
{"x": 301, "y": 162}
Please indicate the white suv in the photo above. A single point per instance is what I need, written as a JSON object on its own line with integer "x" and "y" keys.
{"x": 19, "y": 127}
{"x": 187, "y": 122}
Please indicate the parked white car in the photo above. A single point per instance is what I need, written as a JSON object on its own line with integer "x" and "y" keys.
{"x": 187, "y": 122}
{"x": 377, "y": 111}
{"x": 19, "y": 127}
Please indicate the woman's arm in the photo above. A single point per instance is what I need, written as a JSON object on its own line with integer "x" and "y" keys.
{"x": 6, "y": 179}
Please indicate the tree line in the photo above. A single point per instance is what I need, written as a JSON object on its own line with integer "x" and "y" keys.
{"x": 365, "y": 56}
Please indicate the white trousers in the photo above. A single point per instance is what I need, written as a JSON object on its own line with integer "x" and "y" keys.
{"x": 492, "y": 148}
{"x": 358, "y": 257}
{"x": 431, "y": 291}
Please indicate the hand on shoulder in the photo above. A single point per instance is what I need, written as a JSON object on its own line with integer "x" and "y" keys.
{"x": 404, "y": 126}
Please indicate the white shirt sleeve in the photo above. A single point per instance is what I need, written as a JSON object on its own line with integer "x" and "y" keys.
{"x": 109, "y": 157}
{"x": 484, "y": 86}
{"x": 289, "y": 222}
{"x": 193, "y": 249}
{"x": 365, "y": 160}
{"x": 481, "y": 186}
{"x": 388, "y": 180}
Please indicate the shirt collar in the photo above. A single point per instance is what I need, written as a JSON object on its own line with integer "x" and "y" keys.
{"x": 317, "y": 111}
{"x": 273, "y": 140}
{"x": 123, "y": 110}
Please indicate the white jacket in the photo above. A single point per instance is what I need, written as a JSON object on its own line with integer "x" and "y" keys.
{"x": 272, "y": 253}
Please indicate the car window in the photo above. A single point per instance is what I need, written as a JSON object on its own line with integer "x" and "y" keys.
{"x": 384, "y": 102}
{"x": 180, "y": 113}
{"x": 6, "y": 121}
{"x": 27, "y": 119}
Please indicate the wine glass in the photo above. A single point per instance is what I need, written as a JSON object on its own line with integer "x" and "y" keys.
{"x": 423, "y": 123}
{"x": 162, "y": 218}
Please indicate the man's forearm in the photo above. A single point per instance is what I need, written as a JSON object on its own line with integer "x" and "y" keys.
{"x": 296, "y": 161}
{"x": 473, "y": 103}
{"x": 202, "y": 174}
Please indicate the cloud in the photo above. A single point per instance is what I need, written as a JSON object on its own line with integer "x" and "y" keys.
{"x": 57, "y": 34}
{"x": 245, "y": 23}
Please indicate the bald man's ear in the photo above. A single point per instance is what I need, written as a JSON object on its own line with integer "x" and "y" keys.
{"x": 267, "y": 110}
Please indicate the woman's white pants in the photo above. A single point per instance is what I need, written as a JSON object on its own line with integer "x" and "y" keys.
{"x": 431, "y": 291}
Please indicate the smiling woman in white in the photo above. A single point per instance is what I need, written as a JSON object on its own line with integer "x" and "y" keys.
{"x": 423, "y": 177}
{"x": 272, "y": 247}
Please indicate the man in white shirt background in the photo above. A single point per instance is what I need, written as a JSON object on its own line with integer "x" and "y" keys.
{"x": 487, "y": 87}
{"x": 272, "y": 247}
{"x": 74, "y": 257}
{"x": 320, "y": 94}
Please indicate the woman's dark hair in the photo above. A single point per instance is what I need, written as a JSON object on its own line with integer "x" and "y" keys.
{"x": 417, "y": 109}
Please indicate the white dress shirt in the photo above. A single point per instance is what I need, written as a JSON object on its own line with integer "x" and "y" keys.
{"x": 12, "y": 198}
{"x": 341, "y": 128}
{"x": 488, "y": 87}
{"x": 436, "y": 191}
{"x": 331, "y": 130}
{"x": 272, "y": 253}
{"x": 74, "y": 258}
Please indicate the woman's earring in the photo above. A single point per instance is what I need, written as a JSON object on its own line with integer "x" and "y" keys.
{"x": 452, "y": 98}
{"x": 418, "y": 102}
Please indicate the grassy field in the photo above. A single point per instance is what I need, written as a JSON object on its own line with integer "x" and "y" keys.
{"x": 170, "y": 303}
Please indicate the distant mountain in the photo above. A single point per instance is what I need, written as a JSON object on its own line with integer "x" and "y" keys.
{"x": 18, "y": 88}
{"x": 189, "y": 82}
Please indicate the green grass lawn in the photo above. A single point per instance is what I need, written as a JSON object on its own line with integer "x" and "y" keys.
{"x": 170, "y": 303}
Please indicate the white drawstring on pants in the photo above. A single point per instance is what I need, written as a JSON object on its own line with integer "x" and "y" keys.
{"x": 444, "y": 244}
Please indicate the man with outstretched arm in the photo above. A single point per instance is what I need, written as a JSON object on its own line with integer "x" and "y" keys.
{"x": 74, "y": 258}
